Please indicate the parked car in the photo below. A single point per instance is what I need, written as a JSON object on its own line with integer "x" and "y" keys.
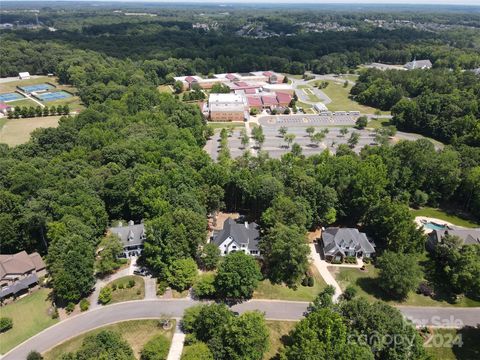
{"x": 141, "y": 271}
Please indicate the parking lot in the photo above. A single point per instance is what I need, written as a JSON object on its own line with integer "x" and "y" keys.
{"x": 276, "y": 146}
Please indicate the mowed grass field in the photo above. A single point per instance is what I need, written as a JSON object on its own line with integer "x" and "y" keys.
{"x": 267, "y": 290}
{"x": 23, "y": 102}
{"x": 446, "y": 216}
{"x": 29, "y": 315}
{"x": 17, "y": 131}
{"x": 341, "y": 101}
{"x": 136, "y": 332}
{"x": 366, "y": 283}
{"x": 453, "y": 344}
{"x": 136, "y": 292}
{"x": 279, "y": 331}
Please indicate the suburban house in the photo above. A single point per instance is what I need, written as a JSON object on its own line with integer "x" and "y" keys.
{"x": 337, "y": 243}
{"x": 132, "y": 237}
{"x": 418, "y": 64}
{"x": 237, "y": 236}
{"x": 468, "y": 236}
{"x": 19, "y": 273}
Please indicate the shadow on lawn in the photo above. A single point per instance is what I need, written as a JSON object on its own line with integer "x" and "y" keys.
{"x": 469, "y": 349}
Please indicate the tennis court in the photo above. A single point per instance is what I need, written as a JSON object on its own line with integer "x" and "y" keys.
{"x": 10, "y": 96}
{"x": 38, "y": 87}
{"x": 50, "y": 96}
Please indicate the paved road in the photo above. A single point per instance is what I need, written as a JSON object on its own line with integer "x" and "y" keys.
{"x": 147, "y": 309}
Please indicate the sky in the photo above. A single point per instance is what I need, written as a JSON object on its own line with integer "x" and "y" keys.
{"x": 430, "y": 2}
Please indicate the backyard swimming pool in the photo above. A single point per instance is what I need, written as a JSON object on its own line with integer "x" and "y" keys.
{"x": 434, "y": 226}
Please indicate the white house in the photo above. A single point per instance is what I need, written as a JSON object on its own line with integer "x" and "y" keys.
{"x": 132, "y": 237}
{"x": 238, "y": 236}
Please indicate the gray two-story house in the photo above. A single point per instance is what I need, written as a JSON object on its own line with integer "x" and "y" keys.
{"x": 337, "y": 243}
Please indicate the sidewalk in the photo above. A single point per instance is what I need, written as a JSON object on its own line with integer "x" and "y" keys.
{"x": 321, "y": 266}
{"x": 176, "y": 348}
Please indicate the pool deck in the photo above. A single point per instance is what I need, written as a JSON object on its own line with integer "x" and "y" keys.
{"x": 419, "y": 220}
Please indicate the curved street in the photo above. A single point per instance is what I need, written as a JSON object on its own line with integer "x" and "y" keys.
{"x": 148, "y": 309}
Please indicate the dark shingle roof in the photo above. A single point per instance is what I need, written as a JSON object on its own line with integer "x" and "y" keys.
{"x": 130, "y": 235}
{"x": 336, "y": 239}
{"x": 242, "y": 233}
{"x": 468, "y": 236}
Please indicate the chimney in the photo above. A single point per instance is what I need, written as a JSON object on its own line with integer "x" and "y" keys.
{"x": 246, "y": 224}
{"x": 131, "y": 223}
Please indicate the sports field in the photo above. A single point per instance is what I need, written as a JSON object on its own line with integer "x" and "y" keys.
{"x": 52, "y": 96}
{"x": 17, "y": 131}
{"x": 10, "y": 96}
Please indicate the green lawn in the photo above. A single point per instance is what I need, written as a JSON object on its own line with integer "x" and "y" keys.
{"x": 30, "y": 316}
{"x": 366, "y": 284}
{"x": 3, "y": 120}
{"x": 303, "y": 105}
{"x": 267, "y": 290}
{"x": 135, "y": 332}
{"x": 341, "y": 101}
{"x": 134, "y": 293}
{"x": 165, "y": 88}
{"x": 453, "y": 344}
{"x": 74, "y": 103}
{"x": 278, "y": 335}
{"x": 378, "y": 123}
{"x": 226, "y": 125}
{"x": 23, "y": 102}
{"x": 445, "y": 215}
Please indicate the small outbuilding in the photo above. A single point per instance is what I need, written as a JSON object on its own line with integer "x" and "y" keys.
{"x": 24, "y": 75}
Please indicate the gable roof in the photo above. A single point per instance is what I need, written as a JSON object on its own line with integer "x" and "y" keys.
{"x": 418, "y": 64}
{"x": 269, "y": 100}
{"x": 468, "y": 236}
{"x": 190, "y": 79}
{"x": 130, "y": 235}
{"x": 242, "y": 233}
{"x": 283, "y": 97}
{"x": 339, "y": 239}
{"x": 254, "y": 101}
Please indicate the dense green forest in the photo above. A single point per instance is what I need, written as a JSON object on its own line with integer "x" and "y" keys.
{"x": 439, "y": 103}
{"x": 135, "y": 153}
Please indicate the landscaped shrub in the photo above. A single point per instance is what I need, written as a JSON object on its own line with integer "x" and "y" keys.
{"x": 55, "y": 313}
{"x": 114, "y": 287}
{"x": 350, "y": 259}
{"x": 349, "y": 292}
{"x": 336, "y": 261}
{"x": 70, "y": 307}
{"x": 305, "y": 281}
{"x": 131, "y": 283}
{"x": 84, "y": 305}
{"x": 425, "y": 289}
{"x": 197, "y": 351}
{"x": 204, "y": 287}
{"x": 6, "y": 324}
{"x": 161, "y": 287}
{"x": 367, "y": 260}
{"x": 105, "y": 295}
{"x": 121, "y": 286}
{"x": 34, "y": 355}
{"x": 310, "y": 281}
{"x": 156, "y": 349}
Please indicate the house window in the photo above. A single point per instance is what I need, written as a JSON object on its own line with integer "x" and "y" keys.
{"x": 254, "y": 252}
{"x": 234, "y": 246}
